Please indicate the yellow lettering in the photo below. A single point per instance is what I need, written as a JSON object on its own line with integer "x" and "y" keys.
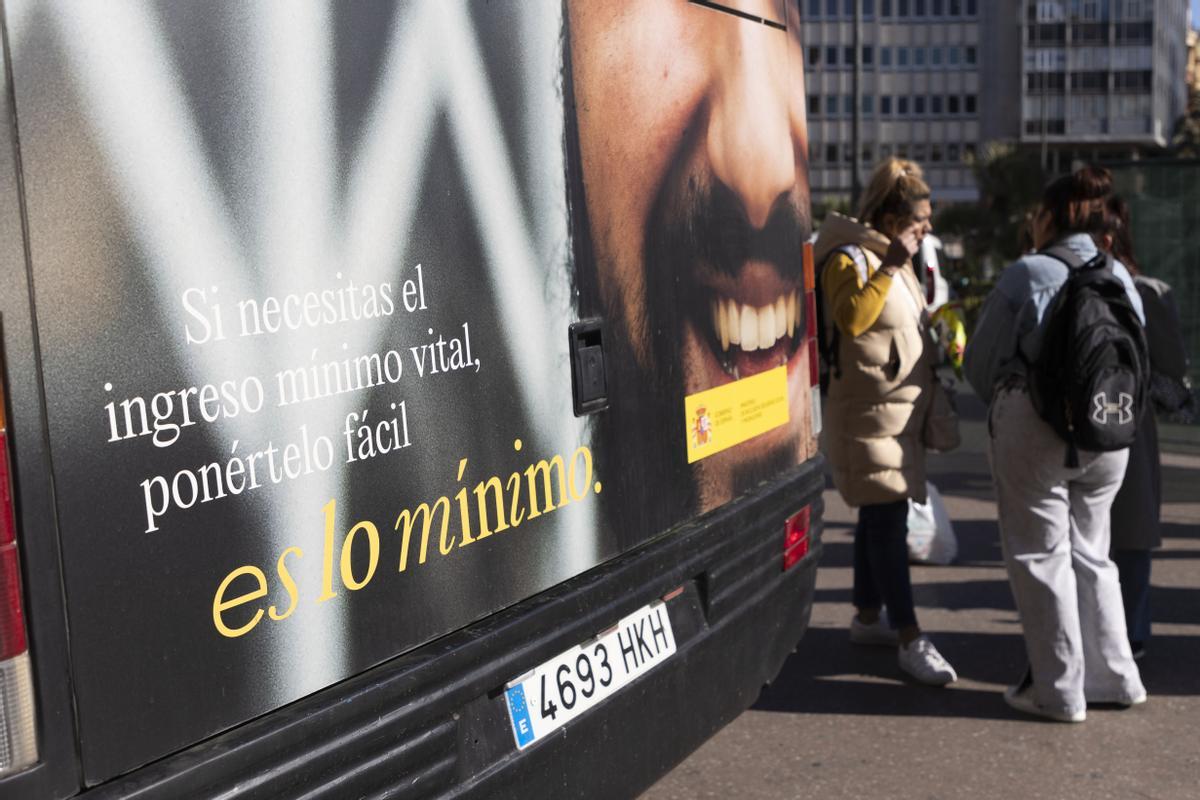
{"x": 221, "y": 605}
{"x": 587, "y": 477}
{"x": 409, "y": 520}
{"x": 543, "y": 468}
{"x": 481, "y": 491}
{"x": 289, "y": 584}
{"x": 348, "y": 551}
{"x": 516, "y": 514}
{"x": 327, "y": 591}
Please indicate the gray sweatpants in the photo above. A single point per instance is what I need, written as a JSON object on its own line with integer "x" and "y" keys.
{"x": 1054, "y": 529}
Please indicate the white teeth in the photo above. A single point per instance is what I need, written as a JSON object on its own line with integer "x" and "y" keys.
{"x": 754, "y": 328}
{"x": 734, "y": 322}
{"x": 749, "y": 325}
{"x": 766, "y": 327}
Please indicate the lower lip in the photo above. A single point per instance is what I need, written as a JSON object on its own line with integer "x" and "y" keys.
{"x": 756, "y": 361}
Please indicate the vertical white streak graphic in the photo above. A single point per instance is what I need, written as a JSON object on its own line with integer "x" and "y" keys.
{"x": 133, "y": 94}
{"x": 303, "y": 232}
{"x": 295, "y": 140}
{"x": 519, "y": 273}
{"x": 389, "y": 160}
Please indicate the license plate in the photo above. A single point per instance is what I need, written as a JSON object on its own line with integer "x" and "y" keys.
{"x": 572, "y": 682}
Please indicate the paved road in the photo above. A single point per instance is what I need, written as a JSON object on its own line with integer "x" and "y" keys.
{"x": 841, "y": 722}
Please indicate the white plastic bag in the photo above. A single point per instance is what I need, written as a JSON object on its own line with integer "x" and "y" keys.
{"x": 931, "y": 538}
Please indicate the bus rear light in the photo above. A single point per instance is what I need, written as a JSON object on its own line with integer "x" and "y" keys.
{"x": 18, "y": 728}
{"x": 12, "y": 617}
{"x": 8, "y": 523}
{"x": 795, "y": 537}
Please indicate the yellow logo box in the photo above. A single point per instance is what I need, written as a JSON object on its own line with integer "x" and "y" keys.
{"x": 720, "y": 418}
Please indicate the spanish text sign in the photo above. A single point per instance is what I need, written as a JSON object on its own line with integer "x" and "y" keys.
{"x": 728, "y": 415}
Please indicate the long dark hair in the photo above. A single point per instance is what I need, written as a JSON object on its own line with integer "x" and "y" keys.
{"x": 1116, "y": 214}
{"x": 1076, "y": 202}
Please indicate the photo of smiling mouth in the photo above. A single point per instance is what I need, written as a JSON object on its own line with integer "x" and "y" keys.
{"x": 747, "y": 338}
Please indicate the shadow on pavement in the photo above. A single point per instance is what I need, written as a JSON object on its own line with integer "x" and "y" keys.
{"x": 1161, "y": 668}
{"x": 828, "y": 675}
{"x": 951, "y": 595}
{"x": 1176, "y": 530}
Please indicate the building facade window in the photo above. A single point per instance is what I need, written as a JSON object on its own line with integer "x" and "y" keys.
{"x": 885, "y": 105}
{"x": 918, "y": 105}
{"x": 814, "y": 105}
{"x": 935, "y": 104}
{"x": 831, "y": 56}
{"x": 969, "y": 103}
{"x": 885, "y": 56}
{"x": 814, "y": 56}
{"x": 901, "y": 105}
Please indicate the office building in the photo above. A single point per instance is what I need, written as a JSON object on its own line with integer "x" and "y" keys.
{"x": 1072, "y": 79}
{"x": 1102, "y": 79}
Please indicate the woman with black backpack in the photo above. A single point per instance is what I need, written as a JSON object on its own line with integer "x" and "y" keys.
{"x": 1053, "y": 492}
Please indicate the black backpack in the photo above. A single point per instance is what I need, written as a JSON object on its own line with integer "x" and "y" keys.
{"x": 1090, "y": 381}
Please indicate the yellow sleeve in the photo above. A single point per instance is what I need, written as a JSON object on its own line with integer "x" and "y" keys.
{"x": 855, "y": 306}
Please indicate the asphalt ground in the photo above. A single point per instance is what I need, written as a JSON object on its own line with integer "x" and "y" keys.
{"x": 841, "y": 721}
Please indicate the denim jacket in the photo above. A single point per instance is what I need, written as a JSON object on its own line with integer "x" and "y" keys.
{"x": 1009, "y": 333}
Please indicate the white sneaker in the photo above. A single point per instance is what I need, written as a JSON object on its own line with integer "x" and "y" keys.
{"x": 1020, "y": 697}
{"x": 921, "y": 660}
{"x": 878, "y": 632}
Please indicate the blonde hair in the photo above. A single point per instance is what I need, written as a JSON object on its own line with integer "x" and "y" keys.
{"x": 896, "y": 187}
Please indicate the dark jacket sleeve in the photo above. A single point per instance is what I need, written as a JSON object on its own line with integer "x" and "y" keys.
{"x": 1164, "y": 334}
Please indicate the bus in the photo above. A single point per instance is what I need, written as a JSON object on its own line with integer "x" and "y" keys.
{"x": 399, "y": 399}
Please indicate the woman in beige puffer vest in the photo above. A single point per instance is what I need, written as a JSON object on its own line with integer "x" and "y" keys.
{"x": 879, "y": 390}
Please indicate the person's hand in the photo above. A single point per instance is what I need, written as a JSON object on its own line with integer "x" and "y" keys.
{"x": 904, "y": 246}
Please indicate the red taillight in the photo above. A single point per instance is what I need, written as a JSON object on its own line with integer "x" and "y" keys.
{"x": 795, "y": 537}
{"x": 8, "y": 523}
{"x": 18, "y": 721}
{"x": 12, "y": 617}
{"x": 810, "y": 327}
{"x": 12, "y": 620}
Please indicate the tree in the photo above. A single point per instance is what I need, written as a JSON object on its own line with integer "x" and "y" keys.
{"x": 1185, "y": 143}
{"x": 1010, "y": 182}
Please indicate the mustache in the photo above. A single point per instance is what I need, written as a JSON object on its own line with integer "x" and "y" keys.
{"x": 711, "y": 226}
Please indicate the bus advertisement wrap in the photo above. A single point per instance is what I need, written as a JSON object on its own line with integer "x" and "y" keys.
{"x": 303, "y": 277}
